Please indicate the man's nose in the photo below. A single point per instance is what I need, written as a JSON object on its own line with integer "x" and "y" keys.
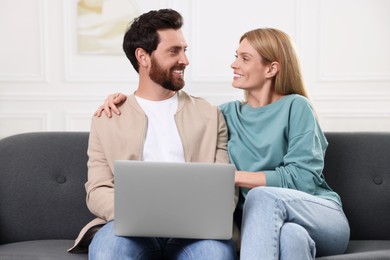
{"x": 183, "y": 59}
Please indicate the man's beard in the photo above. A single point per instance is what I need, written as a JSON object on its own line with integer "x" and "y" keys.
{"x": 164, "y": 77}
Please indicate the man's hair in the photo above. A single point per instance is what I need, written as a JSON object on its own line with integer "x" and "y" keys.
{"x": 142, "y": 31}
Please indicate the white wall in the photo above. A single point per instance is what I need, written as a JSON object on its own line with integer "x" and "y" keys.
{"x": 45, "y": 85}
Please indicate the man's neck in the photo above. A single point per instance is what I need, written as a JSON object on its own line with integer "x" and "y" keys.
{"x": 154, "y": 92}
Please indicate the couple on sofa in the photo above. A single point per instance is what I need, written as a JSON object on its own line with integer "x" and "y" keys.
{"x": 272, "y": 137}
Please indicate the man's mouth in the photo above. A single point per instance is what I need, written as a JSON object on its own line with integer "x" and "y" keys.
{"x": 179, "y": 73}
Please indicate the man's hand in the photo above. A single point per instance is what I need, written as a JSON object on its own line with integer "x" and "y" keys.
{"x": 110, "y": 105}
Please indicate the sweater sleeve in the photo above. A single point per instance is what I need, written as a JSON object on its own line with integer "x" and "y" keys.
{"x": 304, "y": 159}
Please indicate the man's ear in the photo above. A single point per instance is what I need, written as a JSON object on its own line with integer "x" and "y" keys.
{"x": 142, "y": 57}
{"x": 273, "y": 69}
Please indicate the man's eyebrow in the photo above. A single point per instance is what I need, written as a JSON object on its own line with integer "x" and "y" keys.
{"x": 177, "y": 47}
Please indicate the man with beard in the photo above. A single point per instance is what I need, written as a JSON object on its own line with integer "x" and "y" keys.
{"x": 159, "y": 122}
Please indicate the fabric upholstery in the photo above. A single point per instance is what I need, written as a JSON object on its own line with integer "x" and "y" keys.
{"x": 364, "y": 250}
{"x": 357, "y": 166}
{"x": 42, "y": 194}
{"x": 40, "y": 250}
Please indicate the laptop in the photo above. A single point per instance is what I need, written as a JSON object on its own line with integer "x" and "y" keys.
{"x": 178, "y": 200}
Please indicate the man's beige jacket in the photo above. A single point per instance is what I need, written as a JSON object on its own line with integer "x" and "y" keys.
{"x": 203, "y": 133}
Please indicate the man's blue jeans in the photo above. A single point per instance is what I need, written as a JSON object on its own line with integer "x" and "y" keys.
{"x": 106, "y": 245}
{"x": 279, "y": 223}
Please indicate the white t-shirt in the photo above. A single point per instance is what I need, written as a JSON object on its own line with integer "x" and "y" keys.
{"x": 162, "y": 142}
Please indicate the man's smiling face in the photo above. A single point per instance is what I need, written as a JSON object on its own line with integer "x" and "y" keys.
{"x": 169, "y": 60}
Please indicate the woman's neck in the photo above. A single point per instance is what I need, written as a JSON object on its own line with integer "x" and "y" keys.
{"x": 262, "y": 97}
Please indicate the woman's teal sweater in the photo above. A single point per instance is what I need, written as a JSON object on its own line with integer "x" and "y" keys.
{"x": 282, "y": 139}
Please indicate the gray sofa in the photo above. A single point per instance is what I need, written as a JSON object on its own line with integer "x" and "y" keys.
{"x": 42, "y": 196}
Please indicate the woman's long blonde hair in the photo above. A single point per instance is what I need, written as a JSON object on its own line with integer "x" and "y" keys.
{"x": 275, "y": 45}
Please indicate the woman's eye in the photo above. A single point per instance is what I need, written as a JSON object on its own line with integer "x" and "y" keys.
{"x": 245, "y": 59}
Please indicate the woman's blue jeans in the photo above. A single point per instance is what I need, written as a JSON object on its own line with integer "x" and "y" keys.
{"x": 106, "y": 245}
{"x": 279, "y": 223}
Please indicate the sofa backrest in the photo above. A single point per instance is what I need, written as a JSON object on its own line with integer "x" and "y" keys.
{"x": 42, "y": 177}
{"x": 357, "y": 167}
{"x": 42, "y": 194}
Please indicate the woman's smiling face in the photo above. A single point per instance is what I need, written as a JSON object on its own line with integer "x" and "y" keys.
{"x": 249, "y": 70}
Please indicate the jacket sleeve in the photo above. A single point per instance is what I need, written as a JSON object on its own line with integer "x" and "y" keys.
{"x": 221, "y": 155}
{"x": 221, "y": 152}
{"x": 100, "y": 183}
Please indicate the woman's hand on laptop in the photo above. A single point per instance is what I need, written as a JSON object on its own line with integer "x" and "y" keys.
{"x": 110, "y": 105}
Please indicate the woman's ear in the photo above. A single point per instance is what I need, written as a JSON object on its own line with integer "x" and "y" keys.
{"x": 273, "y": 69}
{"x": 142, "y": 57}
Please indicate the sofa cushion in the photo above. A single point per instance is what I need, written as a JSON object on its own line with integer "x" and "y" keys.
{"x": 40, "y": 250}
{"x": 42, "y": 186}
{"x": 364, "y": 250}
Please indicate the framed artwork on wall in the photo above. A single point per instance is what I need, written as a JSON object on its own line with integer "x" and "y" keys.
{"x": 93, "y": 36}
{"x": 101, "y": 24}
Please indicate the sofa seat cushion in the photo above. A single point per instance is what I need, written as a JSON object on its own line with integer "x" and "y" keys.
{"x": 364, "y": 250}
{"x": 39, "y": 250}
